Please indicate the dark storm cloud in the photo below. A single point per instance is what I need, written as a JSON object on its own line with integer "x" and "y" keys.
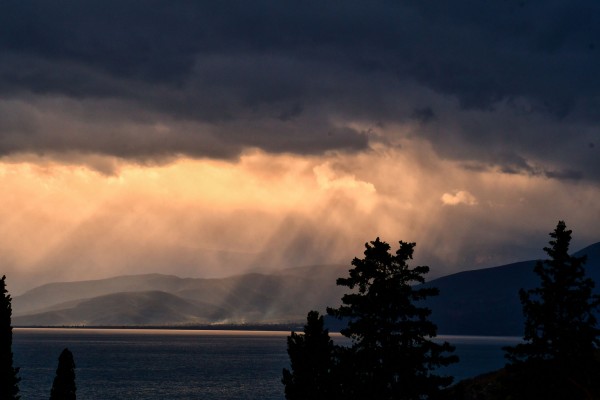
{"x": 496, "y": 81}
{"x": 423, "y": 115}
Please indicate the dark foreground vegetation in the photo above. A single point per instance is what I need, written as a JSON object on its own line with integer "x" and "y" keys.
{"x": 9, "y": 380}
{"x": 63, "y": 387}
{"x": 392, "y": 355}
{"x": 559, "y": 358}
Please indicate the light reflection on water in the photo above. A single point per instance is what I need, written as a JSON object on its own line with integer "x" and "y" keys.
{"x": 148, "y": 332}
{"x": 188, "y": 364}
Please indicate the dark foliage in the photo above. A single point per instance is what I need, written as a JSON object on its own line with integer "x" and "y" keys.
{"x": 63, "y": 387}
{"x": 9, "y": 381}
{"x": 392, "y": 354}
{"x": 311, "y": 358}
{"x": 483, "y": 387}
{"x": 558, "y": 356}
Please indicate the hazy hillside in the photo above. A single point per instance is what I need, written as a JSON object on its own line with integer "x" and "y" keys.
{"x": 251, "y": 298}
{"x": 478, "y": 302}
{"x": 133, "y": 308}
{"x": 51, "y": 294}
{"x": 486, "y": 301}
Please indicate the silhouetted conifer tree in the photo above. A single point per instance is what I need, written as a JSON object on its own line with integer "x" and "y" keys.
{"x": 9, "y": 382}
{"x": 392, "y": 354}
{"x": 63, "y": 387}
{"x": 557, "y": 358}
{"x": 311, "y": 359}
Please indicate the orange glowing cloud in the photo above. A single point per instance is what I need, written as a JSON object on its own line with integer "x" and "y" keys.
{"x": 203, "y": 217}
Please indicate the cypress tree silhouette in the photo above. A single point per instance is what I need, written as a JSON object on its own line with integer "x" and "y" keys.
{"x": 63, "y": 387}
{"x": 392, "y": 355}
{"x": 561, "y": 337}
{"x": 9, "y": 381}
{"x": 311, "y": 359}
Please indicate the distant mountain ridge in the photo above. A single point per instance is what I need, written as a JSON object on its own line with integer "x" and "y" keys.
{"x": 62, "y": 292}
{"x": 285, "y": 296}
{"x": 476, "y": 302}
{"x": 486, "y": 301}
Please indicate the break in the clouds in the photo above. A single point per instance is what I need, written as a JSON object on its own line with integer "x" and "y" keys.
{"x": 510, "y": 85}
{"x": 459, "y": 197}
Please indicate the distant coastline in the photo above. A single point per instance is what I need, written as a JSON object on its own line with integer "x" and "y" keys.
{"x": 225, "y": 327}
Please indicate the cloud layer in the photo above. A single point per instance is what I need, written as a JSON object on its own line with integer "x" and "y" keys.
{"x": 509, "y": 85}
{"x": 217, "y": 218}
{"x": 207, "y": 138}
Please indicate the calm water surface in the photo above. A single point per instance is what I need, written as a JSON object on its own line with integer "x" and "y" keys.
{"x": 181, "y": 364}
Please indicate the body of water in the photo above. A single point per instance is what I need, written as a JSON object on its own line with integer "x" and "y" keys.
{"x": 187, "y": 364}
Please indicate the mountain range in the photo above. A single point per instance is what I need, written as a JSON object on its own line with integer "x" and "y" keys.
{"x": 155, "y": 299}
{"x": 486, "y": 301}
{"x": 475, "y": 302}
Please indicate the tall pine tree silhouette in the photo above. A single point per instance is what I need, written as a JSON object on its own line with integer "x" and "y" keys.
{"x": 557, "y": 357}
{"x": 9, "y": 381}
{"x": 63, "y": 387}
{"x": 311, "y": 358}
{"x": 392, "y": 355}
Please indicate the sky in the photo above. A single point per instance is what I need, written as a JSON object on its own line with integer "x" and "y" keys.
{"x": 205, "y": 139}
